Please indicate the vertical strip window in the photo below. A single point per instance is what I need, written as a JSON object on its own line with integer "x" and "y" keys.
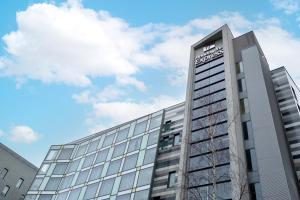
{"x": 172, "y": 179}
{"x": 19, "y": 183}
{"x": 248, "y": 160}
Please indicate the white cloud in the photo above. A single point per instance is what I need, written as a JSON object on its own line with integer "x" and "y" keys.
{"x": 23, "y": 134}
{"x": 2, "y": 133}
{"x": 288, "y": 6}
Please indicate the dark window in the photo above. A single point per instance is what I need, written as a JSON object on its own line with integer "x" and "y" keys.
{"x": 172, "y": 179}
{"x": 246, "y": 130}
{"x": 19, "y": 183}
{"x": 248, "y": 160}
{"x": 3, "y": 173}
{"x": 244, "y": 106}
{"x": 241, "y": 85}
{"x": 252, "y": 191}
{"x": 239, "y": 67}
{"x": 165, "y": 142}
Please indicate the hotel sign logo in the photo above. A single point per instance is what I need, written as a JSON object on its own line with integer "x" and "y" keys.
{"x": 210, "y": 53}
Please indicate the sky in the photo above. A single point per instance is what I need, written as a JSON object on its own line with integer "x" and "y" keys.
{"x": 71, "y": 68}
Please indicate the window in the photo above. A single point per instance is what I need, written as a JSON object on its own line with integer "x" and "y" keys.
{"x": 134, "y": 144}
{"x": 44, "y": 169}
{"x": 252, "y": 191}
{"x": 65, "y": 154}
{"x": 155, "y": 122}
{"x": 19, "y": 183}
{"x": 127, "y": 181}
{"x": 244, "y": 106}
{"x": 66, "y": 182}
{"x": 51, "y": 155}
{"x": 239, "y": 67}
{"x": 119, "y": 149}
{"x": 101, "y": 157}
{"x": 294, "y": 94}
{"x": 140, "y": 128}
{"x": 164, "y": 142}
{"x": 74, "y": 165}
{"x": 167, "y": 125}
{"x": 150, "y": 156}
{"x": 36, "y": 184}
{"x": 241, "y": 85}
{"x": 130, "y": 162}
{"x": 172, "y": 179}
{"x": 62, "y": 196}
{"x": 53, "y": 183}
{"x": 91, "y": 191}
{"x": 176, "y": 140}
{"x": 108, "y": 140}
{"x": 93, "y": 146}
{"x": 246, "y": 127}
{"x": 96, "y": 173}
{"x": 145, "y": 176}
{"x": 81, "y": 150}
{"x": 5, "y": 190}
{"x": 114, "y": 167}
{"x": 22, "y": 197}
{"x": 60, "y": 168}
{"x": 88, "y": 161}
{"x": 153, "y": 138}
{"x": 82, "y": 177}
{"x": 106, "y": 187}
{"x": 3, "y": 173}
{"x": 141, "y": 195}
{"x": 74, "y": 194}
{"x": 248, "y": 160}
{"x": 122, "y": 135}
{"x": 123, "y": 197}
{"x": 45, "y": 197}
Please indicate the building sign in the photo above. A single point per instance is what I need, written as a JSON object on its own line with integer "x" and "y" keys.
{"x": 210, "y": 53}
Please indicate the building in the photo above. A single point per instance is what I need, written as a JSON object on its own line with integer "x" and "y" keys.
{"x": 235, "y": 137}
{"x": 16, "y": 174}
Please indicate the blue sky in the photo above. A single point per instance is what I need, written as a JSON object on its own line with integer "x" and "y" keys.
{"x": 70, "y": 68}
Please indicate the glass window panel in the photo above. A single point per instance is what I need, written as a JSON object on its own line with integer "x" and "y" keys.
{"x": 44, "y": 169}
{"x": 140, "y": 127}
{"x": 244, "y": 106}
{"x": 119, "y": 149}
{"x": 207, "y": 146}
{"x": 130, "y": 162}
{"x": 127, "y": 181}
{"x": 3, "y": 173}
{"x": 36, "y": 184}
{"x": 45, "y": 197}
{"x": 141, "y": 195}
{"x": 114, "y": 167}
{"x": 106, "y": 187}
{"x": 96, "y": 173}
{"x": 153, "y": 137}
{"x": 172, "y": 179}
{"x": 91, "y": 191}
{"x": 176, "y": 139}
{"x": 60, "y": 168}
{"x": 52, "y": 155}
{"x": 134, "y": 144}
{"x": 66, "y": 182}
{"x": 73, "y": 165}
{"x": 123, "y": 197}
{"x": 53, "y": 183}
{"x": 101, "y": 157}
{"x": 30, "y": 197}
{"x": 19, "y": 183}
{"x": 65, "y": 154}
{"x": 62, "y": 196}
{"x": 74, "y": 194}
{"x": 81, "y": 150}
{"x": 108, "y": 140}
{"x": 82, "y": 177}
{"x": 145, "y": 176}
{"x": 5, "y": 190}
{"x": 155, "y": 122}
{"x": 150, "y": 156}
{"x": 88, "y": 161}
{"x": 93, "y": 146}
{"x": 122, "y": 135}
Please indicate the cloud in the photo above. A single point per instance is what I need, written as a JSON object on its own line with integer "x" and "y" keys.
{"x": 2, "y": 133}
{"x": 23, "y": 134}
{"x": 287, "y": 6}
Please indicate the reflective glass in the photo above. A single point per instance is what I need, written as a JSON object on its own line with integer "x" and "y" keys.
{"x": 81, "y": 150}
{"x": 140, "y": 128}
{"x": 172, "y": 179}
{"x": 60, "y": 168}
{"x": 101, "y": 157}
{"x": 53, "y": 183}
{"x": 122, "y": 135}
{"x": 134, "y": 144}
{"x": 45, "y": 197}
{"x": 88, "y": 161}
{"x": 141, "y": 195}
{"x": 66, "y": 182}
{"x": 114, "y": 167}
{"x": 123, "y": 197}
{"x": 119, "y": 149}
{"x": 82, "y": 177}
{"x": 93, "y": 146}
{"x": 36, "y": 184}
{"x": 73, "y": 165}
{"x": 145, "y": 176}
{"x": 155, "y": 122}
{"x": 153, "y": 137}
{"x": 44, "y": 169}
{"x": 106, "y": 187}
{"x": 62, "y": 196}
{"x": 91, "y": 191}
{"x": 150, "y": 156}
{"x": 127, "y": 181}
{"x": 108, "y": 140}
{"x": 96, "y": 173}
{"x": 130, "y": 162}
{"x": 52, "y": 154}
{"x": 74, "y": 194}
{"x": 65, "y": 154}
